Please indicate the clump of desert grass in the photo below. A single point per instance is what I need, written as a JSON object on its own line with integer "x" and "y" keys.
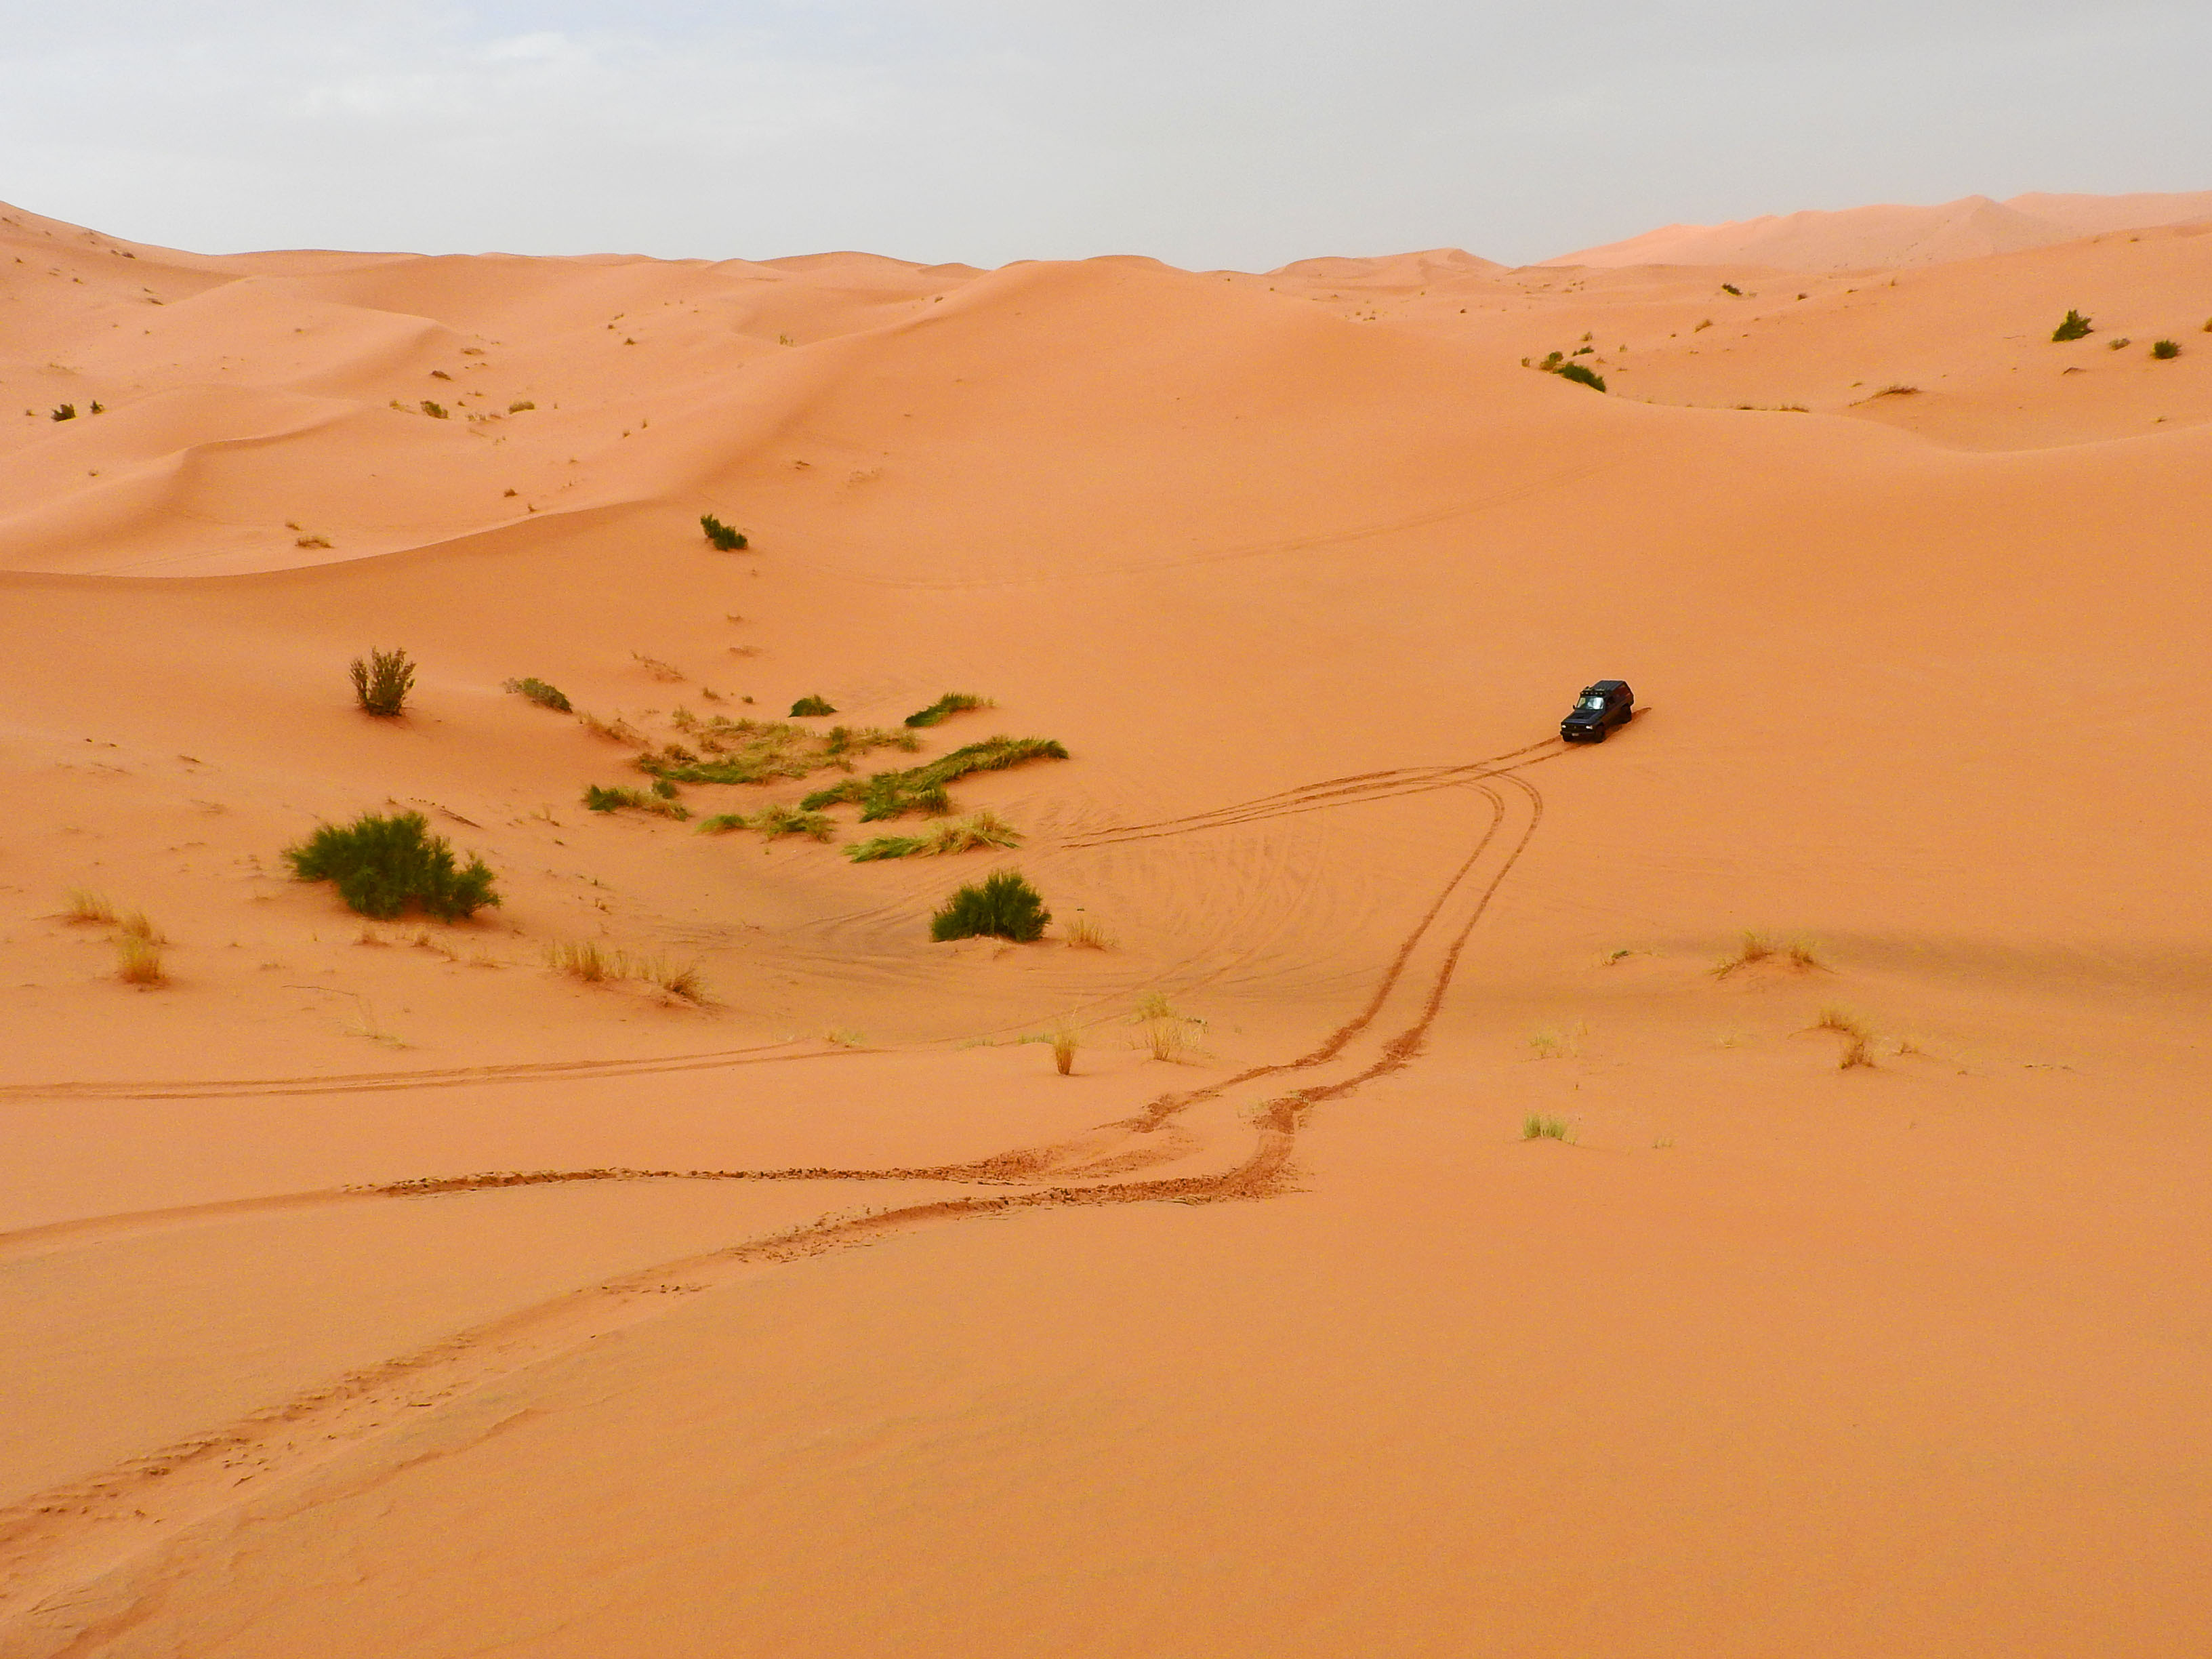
{"x": 1003, "y": 906}
{"x": 658, "y": 669}
{"x": 597, "y": 799}
{"x": 922, "y": 789}
{"x": 381, "y": 681}
{"x": 1858, "y": 1037}
{"x": 85, "y": 905}
{"x": 537, "y": 691}
{"x": 811, "y": 707}
{"x": 1082, "y": 934}
{"x": 139, "y": 960}
{"x": 953, "y": 703}
{"x": 1542, "y": 1126}
{"x": 2165, "y": 350}
{"x": 2073, "y": 326}
{"x": 1555, "y": 1045}
{"x": 1754, "y": 947}
{"x": 980, "y": 831}
{"x": 1065, "y": 1040}
{"x": 771, "y": 822}
{"x": 617, "y": 729}
{"x": 721, "y": 536}
{"x": 593, "y": 963}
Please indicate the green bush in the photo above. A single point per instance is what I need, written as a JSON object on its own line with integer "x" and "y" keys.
{"x": 721, "y": 535}
{"x": 2165, "y": 348}
{"x": 1582, "y": 375}
{"x": 922, "y": 789}
{"x": 544, "y": 695}
{"x": 435, "y": 411}
{"x": 383, "y": 865}
{"x": 953, "y": 703}
{"x": 382, "y": 680}
{"x": 2076, "y": 327}
{"x": 1003, "y": 907}
{"x": 64, "y": 412}
{"x": 811, "y": 707}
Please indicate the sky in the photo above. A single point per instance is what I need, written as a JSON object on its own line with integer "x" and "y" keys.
{"x": 1207, "y": 133}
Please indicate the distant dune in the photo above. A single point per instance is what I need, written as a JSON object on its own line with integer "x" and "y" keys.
{"x": 1871, "y": 238}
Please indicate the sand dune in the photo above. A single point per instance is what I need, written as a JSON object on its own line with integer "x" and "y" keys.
{"x": 381, "y": 1289}
{"x": 1887, "y": 238}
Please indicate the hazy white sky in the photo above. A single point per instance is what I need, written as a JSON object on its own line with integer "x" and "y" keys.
{"x": 1204, "y": 132}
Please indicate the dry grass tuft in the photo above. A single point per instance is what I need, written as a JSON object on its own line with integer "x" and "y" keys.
{"x": 1897, "y": 391}
{"x": 1843, "y": 1023}
{"x": 138, "y": 960}
{"x": 136, "y": 925}
{"x": 83, "y": 904}
{"x": 1065, "y": 1040}
{"x": 1166, "y": 1038}
{"x": 585, "y": 961}
{"x": 1805, "y": 955}
{"x": 1859, "y": 1051}
{"x": 658, "y": 669}
{"x": 1085, "y": 934}
{"x": 1753, "y": 947}
{"x": 685, "y": 982}
{"x": 1541, "y": 1125}
{"x": 1153, "y": 1004}
{"x": 979, "y": 830}
{"x": 1558, "y": 1045}
{"x": 617, "y": 729}
{"x": 845, "y": 1038}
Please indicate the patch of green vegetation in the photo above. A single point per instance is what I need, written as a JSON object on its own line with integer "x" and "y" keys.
{"x": 64, "y": 412}
{"x": 953, "y": 703}
{"x": 1003, "y": 907}
{"x": 771, "y": 822}
{"x": 382, "y": 680}
{"x": 1730, "y": 287}
{"x": 435, "y": 411}
{"x": 1539, "y": 1126}
{"x": 922, "y": 789}
{"x": 544, "y": 695}
{"x": 983, "y": 829}
{"x": 598, "y": 800}
{"x": 2076, "y": 327}
{"x": 810, "y": 708}
{"x": 2163, "y": 349}
{"x": 760, "y": 752}
{"x": 726, "y": 537}
{"x": 1582, "y": 375}
{"x": 383, "y": 865}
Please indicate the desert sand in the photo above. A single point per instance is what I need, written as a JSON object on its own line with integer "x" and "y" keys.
{"x": 378, "y": 1289}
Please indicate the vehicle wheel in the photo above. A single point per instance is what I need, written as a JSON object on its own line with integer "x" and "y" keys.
{"x": 1599, "y": 735}
{"x": 1627, "y": 715}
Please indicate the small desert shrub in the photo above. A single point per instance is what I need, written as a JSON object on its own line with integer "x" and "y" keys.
{"x": 1166, "y": 1038}
{"x": 2120, "y": 344}
{"x": 1153, "y": 1004}
{"x": 1805, "y": 954}
{"x": 953, "y": 703}
{"x": 83, "y": 904}
{"x": 138, "y": 960}
{"x": 383, "y": 865}
{"x": 382, "y": 680}
{"x": 1085, "y": 934}
{"x": 922, "y": 789}
{"x": 1540, "y": 1126}
{"x": 658, "y": 669}
{"x": 544, "y": 695}
{"x": 2076, "y": 327}
{"x": 983, "y": 829}
{"x": 518, "y": 408}
{"x": 137, "y": 925}
{"x": 1897, "y": 389}
{"x": 2164, "y": 350}
{"x": 64, "y": 412}
{"x": 1581, "y": 374}
{"x": 1859, "y": 1051}
{"x": 1730, "y": 287}
{"x": 721, "y": 535}
{"x": 435, "y": 411}
{"x": 1003, "y": 907}
{"x": 313, "y": 541}
{"x": 811, "y": 708}
{"x": 585, "y": 961}
{"x": 1065, "y": 1040}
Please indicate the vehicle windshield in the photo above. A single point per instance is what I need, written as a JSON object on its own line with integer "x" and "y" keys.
{"x": 1591, "y": 702}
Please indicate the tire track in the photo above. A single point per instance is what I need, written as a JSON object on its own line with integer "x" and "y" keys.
{"x": 80, "y": 1560}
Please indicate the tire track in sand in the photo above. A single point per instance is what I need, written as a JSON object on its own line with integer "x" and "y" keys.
{"x": 82, "y": 1562}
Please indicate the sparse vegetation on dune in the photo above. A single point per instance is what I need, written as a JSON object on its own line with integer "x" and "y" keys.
{"x": 760, "y": 752}
{"x": 1065, "y": 1040}
{"x": 1752, "y": 947}
{"x": 1801, "y": 954}
{"x": 953, "y": 703}
{"x": 722, "y": 536}
{"x": 981, "y": 831}
{"x": 544, "y": 695}
{"x": 381, "y": 681}
{"x": 383, "y": 865}
{"x": 593, "y": 963}
{"x": 2166, "y": 350}
{"x": 597, "y": 799}
{"x": 1581, "y": 374}
{"x": 1082, "y": 934}
{"x": 83, "y": 904}
{"x": 658, "y": 669}
{"x": 771, "y": 822}
{"x": 2075, "y": 326}
{"x": 922, "y": 789}
{"x": 811, "y": 708}
{"x": 1003, "y": 907}
{"x": 1541, "y": 1125}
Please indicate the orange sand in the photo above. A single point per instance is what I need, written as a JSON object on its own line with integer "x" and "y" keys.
{"x": 377, "y": 1291}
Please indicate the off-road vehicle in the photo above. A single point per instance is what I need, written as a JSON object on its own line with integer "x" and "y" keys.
{"x": 1602, "y": 707}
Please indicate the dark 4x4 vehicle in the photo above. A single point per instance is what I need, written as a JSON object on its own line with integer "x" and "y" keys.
{"x": 1600, "y": 709}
